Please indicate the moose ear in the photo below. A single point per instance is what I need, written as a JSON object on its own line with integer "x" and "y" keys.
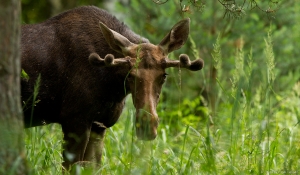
{"x": 116, "y": 41}
{"x": 177, "y": 36}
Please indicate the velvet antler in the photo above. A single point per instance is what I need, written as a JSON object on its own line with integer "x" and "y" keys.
{"x": 109, "y": 60}
{"x": 185, "y": 62}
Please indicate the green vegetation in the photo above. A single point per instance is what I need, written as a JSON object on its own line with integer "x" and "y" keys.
{"x": 240, "y": 115}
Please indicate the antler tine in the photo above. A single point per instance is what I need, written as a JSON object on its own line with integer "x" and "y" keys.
{"x": 185, "y": 62}
{"x": 109, "y": 60}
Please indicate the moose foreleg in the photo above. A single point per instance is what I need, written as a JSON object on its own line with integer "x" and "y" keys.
{"x": 93, "y": 152}
{"x": 76, "y": 140}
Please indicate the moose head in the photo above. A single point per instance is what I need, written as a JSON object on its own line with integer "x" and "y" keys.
{"x": 147, "y": 64}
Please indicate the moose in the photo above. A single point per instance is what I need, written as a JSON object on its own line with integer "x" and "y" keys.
{"x": 88, "y": 62}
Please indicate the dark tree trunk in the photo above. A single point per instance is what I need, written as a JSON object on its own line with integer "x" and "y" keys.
{"x": 12, "y": 156}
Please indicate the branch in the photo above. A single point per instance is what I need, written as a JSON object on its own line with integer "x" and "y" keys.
{"x": 159, "y": 1}
{"x": 232, "y": 8}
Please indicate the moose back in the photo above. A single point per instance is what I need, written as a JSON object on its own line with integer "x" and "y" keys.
{"x": 88, "y": 62}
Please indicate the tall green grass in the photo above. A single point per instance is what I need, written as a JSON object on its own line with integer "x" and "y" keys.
{"x": 255, "y": 129}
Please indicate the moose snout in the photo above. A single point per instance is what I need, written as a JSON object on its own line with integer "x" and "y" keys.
{"x": 146, "y": 124}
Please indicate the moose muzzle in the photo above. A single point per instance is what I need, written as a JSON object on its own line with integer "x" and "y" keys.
{"x": 146, "y": 124}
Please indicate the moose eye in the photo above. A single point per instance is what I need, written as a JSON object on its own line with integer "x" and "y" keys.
{"x": 164, "y": 77}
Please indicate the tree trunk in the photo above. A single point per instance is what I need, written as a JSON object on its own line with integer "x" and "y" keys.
{"x": 12, "y": 156}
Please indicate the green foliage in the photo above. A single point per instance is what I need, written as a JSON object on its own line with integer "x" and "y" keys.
{"x": 24, "y": 75}
{"x": 44, "y": 146}
{"x": 37, "y": 11}
{"x": 217, "y": 54}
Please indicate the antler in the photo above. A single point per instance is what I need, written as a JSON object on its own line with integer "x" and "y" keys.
{"x": 185, "y": 62}
{"x": 109, "y": 60}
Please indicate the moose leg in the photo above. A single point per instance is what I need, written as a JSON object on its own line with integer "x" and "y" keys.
{"x": 76, "y": 139}
{"x": 94, "y": 148}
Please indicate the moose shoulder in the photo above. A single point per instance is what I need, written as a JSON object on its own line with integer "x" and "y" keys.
{"x": 89, "y": 62}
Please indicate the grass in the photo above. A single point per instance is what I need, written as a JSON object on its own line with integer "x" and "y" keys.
{"x": 255, "y": 130}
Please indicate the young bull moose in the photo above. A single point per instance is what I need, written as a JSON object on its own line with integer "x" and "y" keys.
{"x": 89, "y": 62}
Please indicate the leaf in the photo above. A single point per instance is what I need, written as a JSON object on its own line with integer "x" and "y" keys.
{"x": 24, "y": 75}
